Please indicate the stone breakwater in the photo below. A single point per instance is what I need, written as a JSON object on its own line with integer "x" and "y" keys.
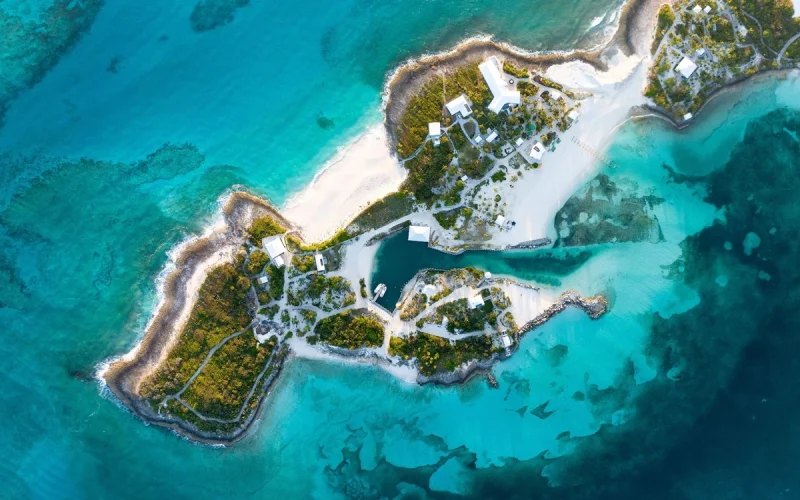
{"x": 594, "y": 307}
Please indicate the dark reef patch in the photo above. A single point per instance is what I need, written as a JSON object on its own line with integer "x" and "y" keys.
{"x": 31, "y": 49}
{"x": 208, "y": 15}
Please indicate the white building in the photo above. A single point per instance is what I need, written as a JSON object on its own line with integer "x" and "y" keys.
{"x": 697, "y": 9}
{"x": 505, "y": 340}
{"x": 419, "y": 233}
{"x": 537, "y": 151}
{"x": 263, "y": 280}
{"x": 320, "y": 262}
{"x": 275, "y": 249}
{"x": 519, "y": 141}
{"x": 491, "y": 137}
{"x": 700, "y": 52}
{"x": 687, "y": 117}
{"x": 556, "y": 95}
{"x": 499, "y": 220}
{"x": 459, "y": 105}
{"x": 707, "y": 9}
{"x": 475, "y": 301}
{"x": 429, "y": 290}
{"x": 501, "y": 90}
{"x": 686, "y": 67}
{"x": 573, "y": 115}
{"x": 435, "y": 129}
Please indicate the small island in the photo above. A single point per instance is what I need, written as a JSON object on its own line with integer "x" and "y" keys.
{"x": 483, "y": 132}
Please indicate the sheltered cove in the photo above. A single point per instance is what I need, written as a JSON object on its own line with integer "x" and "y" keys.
{"x": 125, "y": 376}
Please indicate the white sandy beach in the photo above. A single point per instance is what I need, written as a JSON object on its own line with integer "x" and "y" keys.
{"x": 363, "y": 173}
{"x": 537, "y": 197}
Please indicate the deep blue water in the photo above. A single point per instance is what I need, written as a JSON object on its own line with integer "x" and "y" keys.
{"x": 686, "y": 386}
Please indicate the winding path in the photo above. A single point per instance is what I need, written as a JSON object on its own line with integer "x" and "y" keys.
{"x": 786, "y": 47}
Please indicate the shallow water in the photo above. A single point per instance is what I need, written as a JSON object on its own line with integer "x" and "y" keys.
{"x": 82, "y": 241}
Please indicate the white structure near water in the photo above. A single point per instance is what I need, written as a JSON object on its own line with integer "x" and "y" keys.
{"x": 537, "y": 150}
{"x": 475, "y": 301}
{"x": 275, "y": 249}
{"x": 502, "y": 91}
{"x": 320, "y": 262}
{"x": 419, "y": 233}
{"x": 459, "y": 105}
{"x": 686, "y": 67}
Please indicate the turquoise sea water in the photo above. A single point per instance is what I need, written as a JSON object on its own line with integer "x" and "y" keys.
{"x": 91, "y": 199}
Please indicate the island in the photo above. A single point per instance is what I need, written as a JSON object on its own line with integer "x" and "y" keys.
{"x": 498, "y": 151}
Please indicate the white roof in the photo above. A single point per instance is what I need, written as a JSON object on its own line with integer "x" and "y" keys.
{"x": 279, "y": 261}
{"x": 503, "y": 94}
{"x": 478, "y": 140}
{"x": 419, "y": 233}
{"x": 686, "y": 67}
{"x": 263, "y": 279}
{"x": 696, "y": 9}
{"x": 555, "y": 94}
{"x": 700, "y": 52}
{"x": 573, "y": 115}
{"x": 519, "y": 141}
{"x": 506, "y": 341}
{"x": 475, "y": 301}
{"x": 687, "y": 116}
{"x": 707, "y": 9}
{"x": 429, "y": 290}
{"x": 491, "y": 137}
{"x": 319, "y": 261}
{"x": 537, "y": 150}
{"x": 274, "y": 246}
{"x": 459, "y": 105}
{"x": 500, "y": 220}
{"x": 487, "y": 275}
{"x": 435, "y": 129}
{"x": 464, "y": 178}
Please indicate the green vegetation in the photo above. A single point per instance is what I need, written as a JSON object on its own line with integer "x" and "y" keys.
{"x": 460, "y": 317}
{"x": 220, "y": 390}
{"x": 328, "y": 293}
{"x": 474, "y": 166}
{"x": 447, "y": 218}
{"x": 382, "y": 212}
{"x": 666, "y": 16}
{"x": 426, "y": 170}
{"x": 515, "y": 71}
{"x": 498, "y": 176}
{"x": 303, "y": 263}
{"x": 295, "y": 245}
{"x": 277, "y": 277}
{"x": 548, "y": 138}
{"x": 220, "y": 311}
{"x": 775, "y": 16}
{"x": 363, "y": 286}
{"x": 459, "y": 139}
{"x": 264, "y": 227}
{"x": 527, "y": 89}
{"x": 351, "y": 330}
{"x": 548, "y": 82}
{"x": 428, "y": 103}
{"x": 435, "y": 354}
{"x": 256, "y": 262}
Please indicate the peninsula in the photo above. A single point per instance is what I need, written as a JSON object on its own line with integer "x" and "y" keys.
{"x": 490, "y": 143}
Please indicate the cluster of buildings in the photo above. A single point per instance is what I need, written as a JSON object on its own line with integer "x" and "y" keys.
{"x": 278, "y": 254}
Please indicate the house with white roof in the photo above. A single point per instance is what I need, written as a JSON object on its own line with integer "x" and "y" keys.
{"x": 320, "y": 262}
{"x": 687, "y": 117}
{"x": 505, "y": 340}
{"x": 419, "y": 233}
{"x": 459, "y": 105}
{"x": 707, "y": 9}
{"x": 697, "y": 9}
{"x": 537, "y": 150}
{"x": 573, "y": 114}
{"x": 519, "y": 141}
{"x": 275, "y": 249}
{"x": 500, "y": 220}
{"x": 435, "y": 131}
{"x": 475, "y": 301}
{"x": 686, "y": 67}
{"x": 491, "y": 137}
{"x": 502, "y": 90}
